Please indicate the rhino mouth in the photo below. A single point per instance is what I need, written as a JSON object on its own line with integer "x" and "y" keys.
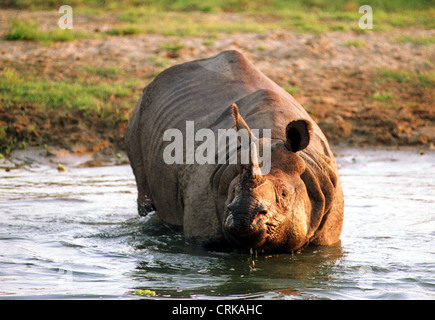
{"x": 246, "y": 231}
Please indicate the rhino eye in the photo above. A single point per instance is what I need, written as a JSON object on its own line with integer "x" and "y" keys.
{"x": 284, "y": 193}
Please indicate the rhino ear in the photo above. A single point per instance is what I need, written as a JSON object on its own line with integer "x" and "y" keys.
{"x": 297, "y": 135}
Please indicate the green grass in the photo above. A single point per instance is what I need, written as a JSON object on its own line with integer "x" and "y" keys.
{"x": 123, "y": 30}
{"x": 102, "y": 102}
{"x": 107, "y": 72}
{"x": 25, "y": 30}
{"x": 145, "y": 293}
{"x": 172, "y": 46}
{"x": 422, "y": 40}
{"x": 382, "y": 96}
{"x": 292, "y": 89}
{"x": 181, "y": 24}
{"x": 16, "y": 90}
{"x": 160, "y": 62}
{"x": 176, "y": 23}
{"x": 355, "y": 43}
{"x": 227, "y": 5}
{"x": 207, "y": 43}
{"x": 199, "y": 18}
{"x": 424, "y": 79}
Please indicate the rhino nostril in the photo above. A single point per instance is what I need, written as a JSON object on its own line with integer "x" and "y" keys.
{"x": 262, "y": 212}
{"x": 231, "y": 207}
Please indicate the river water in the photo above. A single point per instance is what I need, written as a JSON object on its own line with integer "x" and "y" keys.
{"x": 76, "y": 234}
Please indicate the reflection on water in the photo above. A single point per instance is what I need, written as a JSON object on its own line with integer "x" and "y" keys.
{"x": 192, "y": 272}
{"x": 77, "y": 234}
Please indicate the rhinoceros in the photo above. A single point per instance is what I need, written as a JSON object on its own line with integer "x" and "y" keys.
{"x": 227, "y": 206}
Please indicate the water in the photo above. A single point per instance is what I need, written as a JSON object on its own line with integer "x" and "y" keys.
{"x": 76, "y": 234}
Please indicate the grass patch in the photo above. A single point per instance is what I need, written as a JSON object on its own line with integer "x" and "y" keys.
{"x": 426, "y": 79}
{"x": 355, "y": 43}
{"x": 160, "y": 62}
{"x": 292, "y": 89}
{"x": 207, "y": 43}
{"x": 7, "y": 142}
{"x": 124, "y": 30}
{"x": 202, "y": 25}
{"x": 25, "y": 30}
{"x": 176, "y": 23}
{"x": 201, "y": 17}
{"x": 423, "y": 40}
{"x": 382, "y": 96}
{"x": 35, "y": 111}
{"x": 405, "y": 18}
{"x": 16, "y": 90}
{"x": 107, "y": 72}
{"x": 228, "y": 5}
{"x": 145, "y": 293}
{"x": 328, "y": 15}
{"x": 315, "y": 16}
{"x": 172, "y": 46}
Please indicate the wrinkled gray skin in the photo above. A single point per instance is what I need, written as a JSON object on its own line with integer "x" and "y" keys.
{"x": 223, "y": 206}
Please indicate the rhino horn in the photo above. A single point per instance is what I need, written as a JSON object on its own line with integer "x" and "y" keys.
{"x": 240, "y": 122}
{"x": 251, "y": 175}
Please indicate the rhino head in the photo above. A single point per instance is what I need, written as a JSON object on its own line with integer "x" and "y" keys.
{"x": 273, "y": 210}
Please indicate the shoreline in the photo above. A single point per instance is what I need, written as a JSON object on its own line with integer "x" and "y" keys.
{"x": 35, "y": 157}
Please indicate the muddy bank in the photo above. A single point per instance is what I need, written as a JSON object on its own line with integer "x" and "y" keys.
{"x": 363, "y": 89}
{"x": 60, "y": 159}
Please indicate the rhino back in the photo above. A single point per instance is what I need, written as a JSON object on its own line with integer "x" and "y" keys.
{"x": 204, "y": 90}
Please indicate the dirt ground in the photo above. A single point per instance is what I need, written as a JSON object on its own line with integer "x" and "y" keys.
{"x": 336, "y": 82}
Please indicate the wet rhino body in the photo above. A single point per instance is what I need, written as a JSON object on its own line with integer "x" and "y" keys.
{"x": 219, "y": 205}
